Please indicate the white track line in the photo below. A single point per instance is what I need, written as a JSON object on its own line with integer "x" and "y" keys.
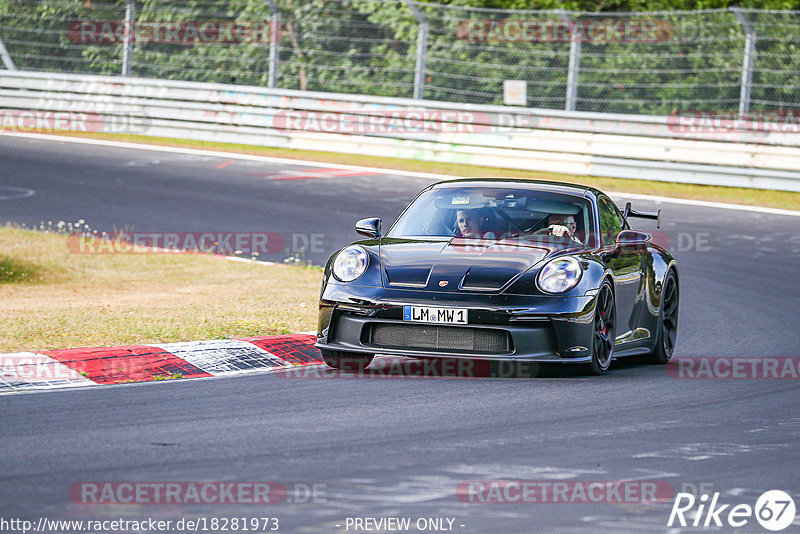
{"x": 222, "y": 154}
{"x": 285, "y": 161}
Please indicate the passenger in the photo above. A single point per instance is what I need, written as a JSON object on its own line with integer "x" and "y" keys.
{"x": 470, "y": 224}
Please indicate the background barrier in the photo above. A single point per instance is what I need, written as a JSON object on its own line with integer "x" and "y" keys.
{"x": 678, "y": 148}
{"x": 651, "y": 63}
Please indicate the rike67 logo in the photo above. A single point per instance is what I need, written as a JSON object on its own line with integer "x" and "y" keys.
{"x": 774, "y": 510}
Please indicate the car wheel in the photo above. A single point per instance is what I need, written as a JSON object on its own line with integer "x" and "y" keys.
{"x": 604, "y": 333}
{"x": 667, "y": 321}
{"x": 346, "y": 361}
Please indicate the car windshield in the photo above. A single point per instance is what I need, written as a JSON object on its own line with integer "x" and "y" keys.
{"x": 498, "y": 214}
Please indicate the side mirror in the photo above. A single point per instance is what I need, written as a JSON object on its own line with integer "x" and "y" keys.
{"x": 369, "y": 227}
{"x": 631, "y": 239}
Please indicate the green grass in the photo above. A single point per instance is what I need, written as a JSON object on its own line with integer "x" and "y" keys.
{"x": 15, "y": 271}
{"x": 57, "y": 299}
{"x": 733, "y": 195}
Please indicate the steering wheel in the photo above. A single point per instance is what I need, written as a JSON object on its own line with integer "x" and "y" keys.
{"x": 549, "y": 232}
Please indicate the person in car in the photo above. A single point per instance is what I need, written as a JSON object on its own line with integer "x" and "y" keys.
{"x": 470, "y": 224}
{"x": 561, "y": 226}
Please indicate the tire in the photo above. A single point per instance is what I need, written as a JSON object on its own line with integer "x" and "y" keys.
{"x": 346, "y": 361}
{"x": 604, "y": 330}
{"x": 667, "y": 329}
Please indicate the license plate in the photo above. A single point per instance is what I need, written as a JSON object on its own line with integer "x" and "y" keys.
{"x": 426, "y": 314}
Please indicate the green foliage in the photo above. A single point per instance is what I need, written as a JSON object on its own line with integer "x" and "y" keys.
{"x": 370, "y": 46}
{"x": 14, "y": 270}
{"x": 624, "y": 5}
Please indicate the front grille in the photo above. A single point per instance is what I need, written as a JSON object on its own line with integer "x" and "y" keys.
{"x": 440, "y": 338}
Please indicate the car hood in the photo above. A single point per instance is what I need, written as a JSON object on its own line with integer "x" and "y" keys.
{"x": 457, "y": 264}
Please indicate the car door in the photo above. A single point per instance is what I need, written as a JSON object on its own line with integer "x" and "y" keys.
{"x": 626, "y": 264}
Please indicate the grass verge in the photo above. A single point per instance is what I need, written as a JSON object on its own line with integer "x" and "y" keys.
{"x": 65, "y": 300}
{"x": 732, "y": 195}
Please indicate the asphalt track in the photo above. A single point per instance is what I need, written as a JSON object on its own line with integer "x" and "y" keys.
{"x": 399, "y": 446}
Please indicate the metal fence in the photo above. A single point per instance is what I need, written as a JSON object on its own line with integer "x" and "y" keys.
{"x": 655, "y": 63}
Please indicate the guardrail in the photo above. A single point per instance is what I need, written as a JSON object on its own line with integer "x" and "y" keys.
{"x": 675, "y": 148}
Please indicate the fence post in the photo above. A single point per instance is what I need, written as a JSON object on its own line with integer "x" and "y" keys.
{"x": 274, "y": 43}
{"x": 422, "y": 49}
{"x": 127, "y": 41}
{"x": 749, "y": 58}
{"x": 576, "y": 38}
{"x": 6, "y": 58}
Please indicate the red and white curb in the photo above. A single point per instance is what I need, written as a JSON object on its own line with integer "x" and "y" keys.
{"x": 82, "y": 367}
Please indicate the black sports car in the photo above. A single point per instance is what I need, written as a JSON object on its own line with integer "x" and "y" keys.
{"x": 495, "y": 269}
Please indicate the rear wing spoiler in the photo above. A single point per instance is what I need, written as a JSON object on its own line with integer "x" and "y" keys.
{"x": 630, "y": 212}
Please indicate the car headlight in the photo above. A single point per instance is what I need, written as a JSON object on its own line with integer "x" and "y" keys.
{"x": 350, "y": 263}
{"x": 559, "y": 275}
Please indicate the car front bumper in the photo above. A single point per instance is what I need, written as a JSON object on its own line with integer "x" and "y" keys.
{"x": 369, "y": 320}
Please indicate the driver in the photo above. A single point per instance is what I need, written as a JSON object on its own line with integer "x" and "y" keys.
{"x": 470, "y": 224}
{"x": 562, "y": 226}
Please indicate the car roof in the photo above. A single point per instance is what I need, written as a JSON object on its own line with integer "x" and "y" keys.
{"x": 533, "y": 185}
